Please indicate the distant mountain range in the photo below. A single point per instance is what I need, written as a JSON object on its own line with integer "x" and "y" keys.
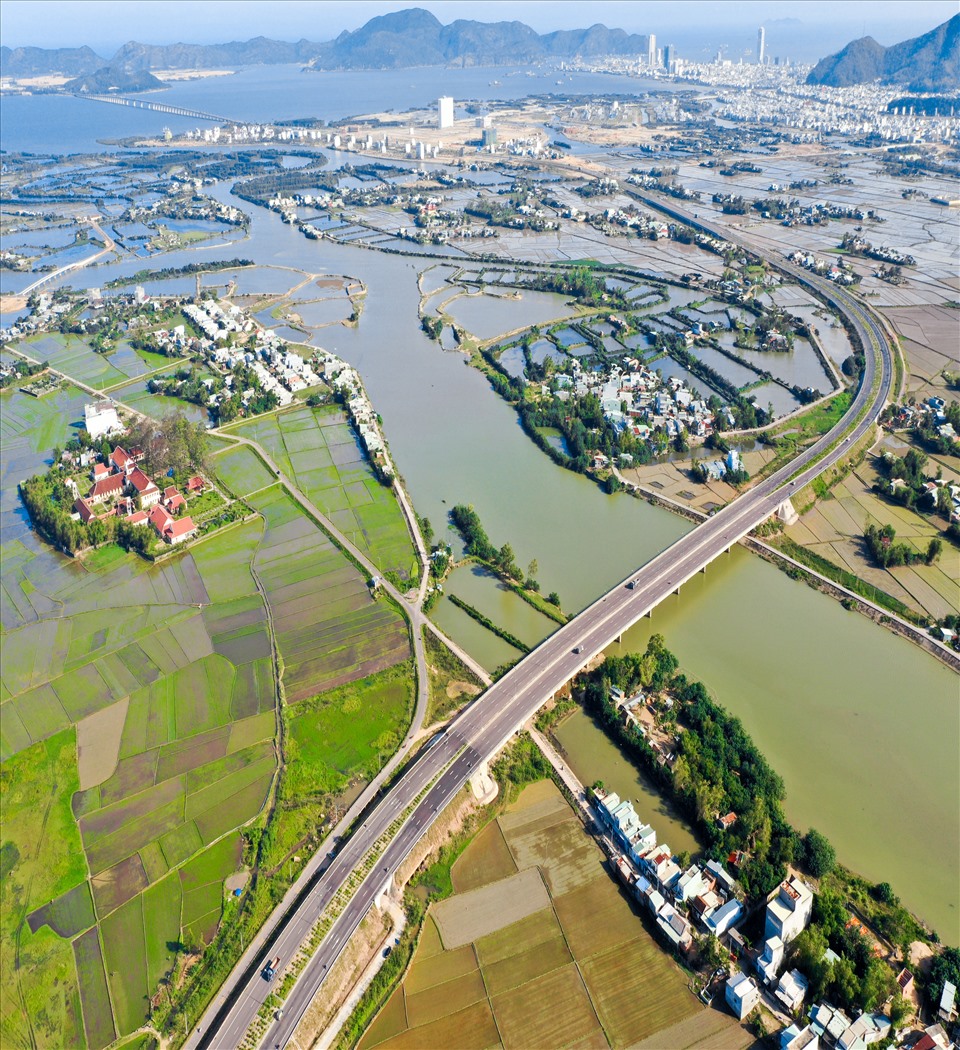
{"x": 926, "y": 63}
{"x": 412, "y": 37}
{"x": 415, "y": 37}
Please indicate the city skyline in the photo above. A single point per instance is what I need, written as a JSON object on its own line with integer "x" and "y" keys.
{"x": 95, "y": 23}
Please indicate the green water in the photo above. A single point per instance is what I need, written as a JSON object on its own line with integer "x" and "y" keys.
{"x": 594, "y": 756}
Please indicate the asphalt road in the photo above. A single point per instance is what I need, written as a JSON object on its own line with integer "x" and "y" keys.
{"x": 483, "y": 727}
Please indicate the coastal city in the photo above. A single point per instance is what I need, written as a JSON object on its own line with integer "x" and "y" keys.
{"x": 480, "y": 518}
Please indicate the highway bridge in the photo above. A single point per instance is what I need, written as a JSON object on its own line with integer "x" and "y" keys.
{"x": 55, "y": 275}
{"x": 157, "y": 107}
{"x": 482, "y": 729}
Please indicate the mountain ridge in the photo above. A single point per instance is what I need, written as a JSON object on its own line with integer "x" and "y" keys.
{"x": 411, "y": 37}
{"x": 930, "y": 62}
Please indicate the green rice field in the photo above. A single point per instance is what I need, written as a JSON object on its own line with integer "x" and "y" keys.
{"x": 329, "y": 628}
{"x": 73, "y": 355}
{"x": 241, "y": 470}
{"x": 583, "y": 971}
{"x": 139, "y": 720}
{"x": 316, "y": 448}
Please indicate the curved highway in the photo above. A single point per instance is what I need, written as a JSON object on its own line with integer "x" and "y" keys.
{"x": 488, "y": 723}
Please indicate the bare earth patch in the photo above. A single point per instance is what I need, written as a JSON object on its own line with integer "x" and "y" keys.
{"x": 98, "y": 743}
{"x": 468, "y": 916}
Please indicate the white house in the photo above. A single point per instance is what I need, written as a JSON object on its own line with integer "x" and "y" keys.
{"x": 770, "y": 960}
{"x": 791, "y": 990}
{"x": 742, "y": 994}
{"x": 789, "y": 911}
{"x": 721, "y": 920}
{"x": 794, "y": 1038}
{"x": 101, "y": 420}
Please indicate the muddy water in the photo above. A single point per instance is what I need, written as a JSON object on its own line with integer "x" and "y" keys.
{"x": 594, "y": 756}
{"x": 863, "y": 727}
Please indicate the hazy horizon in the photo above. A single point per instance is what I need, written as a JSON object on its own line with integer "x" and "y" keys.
{"x": 803, "y": 31}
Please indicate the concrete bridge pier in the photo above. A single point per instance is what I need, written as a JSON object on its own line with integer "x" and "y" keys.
{"x": 787, "y": 514}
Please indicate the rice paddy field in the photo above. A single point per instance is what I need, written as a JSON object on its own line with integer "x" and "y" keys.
{"x": 318, "y": 450}
{"x": 72, "y": 355}
{"x": 138, "y": 727}
{"x": 538, "y": 947}
{"x": 833, "y": 528}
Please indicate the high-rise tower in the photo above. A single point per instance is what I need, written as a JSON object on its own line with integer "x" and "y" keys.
{"x": 445, "y": 112}
{"x": 761, "y": 45}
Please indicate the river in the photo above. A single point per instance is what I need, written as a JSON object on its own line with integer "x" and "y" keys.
{"x": 862, "y": 726}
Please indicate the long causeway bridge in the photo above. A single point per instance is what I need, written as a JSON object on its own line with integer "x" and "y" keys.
{"x": 157, "y": 107}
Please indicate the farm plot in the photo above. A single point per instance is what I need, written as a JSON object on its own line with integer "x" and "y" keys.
{"x": 328, "y": 627}
{"x": 319, "y": 450}
{"x": 577, "y": 969}
{"x": 129, "y": 660}
{"x": 41, "y": 861}
{"x": 619, "y": 981}
{"x": 241, "y": 470}
{"x": 487, "y": 860}
{"x": 467, "y": 917}
{"x": 74, "y": 357}
{"x": 97, "y": 1013}
{"x": 347, "y": 732}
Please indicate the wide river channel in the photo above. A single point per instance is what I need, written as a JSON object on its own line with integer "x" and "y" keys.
{"x": 863, "y": 726}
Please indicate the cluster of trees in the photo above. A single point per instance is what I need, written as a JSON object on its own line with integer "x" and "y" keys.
{"x": 173, "y": 446}
{"x": 857, "y": 980}
{"x": 579, "y": 282}
{"x": 718, "y": 768}
{"x": 286, "y": 183}
{"x": 884, "y": 551}
{"x": 191, "y": 385}
{"x": 433, "y": 326}
{"x": 910, "y": 470}
{"x": 776, "y": 207}
{"x": 467, "y": 523}
{"x": 178, "y": 271}
{"x": 19, "y": 370}
{"x": 50, "y": 505}
{"x": 502, "y": 560}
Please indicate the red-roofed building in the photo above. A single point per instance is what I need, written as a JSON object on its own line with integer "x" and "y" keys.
{"x": 122, "y": 460}
{"x": 159, "y": 518}
{"x": 171, "y": 530}
{"x": 175, "y": 503}
{"x": 195, "y": 484}
{"x": 146, "y": 491}
{"x": 179, "y": 530}
{"x": 83, "y": 508}
{"x": 106, "y": 488}
{"x": 140, "y": 517}
{"x": 100, "y": 470}
{"x": 169, "y": 492}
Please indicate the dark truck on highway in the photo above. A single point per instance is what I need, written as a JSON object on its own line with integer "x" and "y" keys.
{"x": 270, "y": 970}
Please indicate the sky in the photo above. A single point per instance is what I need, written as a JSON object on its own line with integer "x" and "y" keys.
{"x": 106, "y": 24}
